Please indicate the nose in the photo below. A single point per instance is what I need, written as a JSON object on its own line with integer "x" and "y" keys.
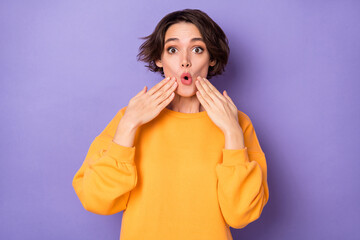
{"x": 186, "y": 62}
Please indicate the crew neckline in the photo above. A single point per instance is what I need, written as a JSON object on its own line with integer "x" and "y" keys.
{"x": 184, "y": 115}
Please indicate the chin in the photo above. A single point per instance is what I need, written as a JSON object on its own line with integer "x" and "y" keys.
{"x": 186, "y": 93}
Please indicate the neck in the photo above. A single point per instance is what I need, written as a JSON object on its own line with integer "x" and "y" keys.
{"x": 185, "y": 104}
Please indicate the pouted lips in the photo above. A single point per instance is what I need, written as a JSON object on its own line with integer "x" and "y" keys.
{"x": 186, "y": 78}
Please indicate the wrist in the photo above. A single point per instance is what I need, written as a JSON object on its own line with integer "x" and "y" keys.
{"x": 128, "y": 125}
{"x": 235, "y": 130}
{"x": 234, "y": 138}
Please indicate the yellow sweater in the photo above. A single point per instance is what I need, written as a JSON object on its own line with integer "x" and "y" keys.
{"x": 177, "y": 181}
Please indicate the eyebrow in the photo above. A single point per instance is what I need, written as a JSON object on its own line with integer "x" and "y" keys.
{"x": 192, "y": 40}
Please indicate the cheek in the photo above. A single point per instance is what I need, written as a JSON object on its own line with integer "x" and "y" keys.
{"x": 204, "y": 66}
{"x": 169, "y": 66}
{"x": 202, "y": 62}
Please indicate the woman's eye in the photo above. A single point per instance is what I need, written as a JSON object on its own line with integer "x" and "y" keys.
{"x": 170, "y": 50}
{"x": 200, "y": 50}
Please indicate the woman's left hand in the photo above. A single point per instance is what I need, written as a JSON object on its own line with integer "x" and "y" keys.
{"x": 220, "y": 108}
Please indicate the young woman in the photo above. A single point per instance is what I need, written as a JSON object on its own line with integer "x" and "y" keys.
{"x": 181, "y": 160}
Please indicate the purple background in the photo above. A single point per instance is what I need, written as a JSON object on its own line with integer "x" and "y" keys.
{"x": 67, "y": 67}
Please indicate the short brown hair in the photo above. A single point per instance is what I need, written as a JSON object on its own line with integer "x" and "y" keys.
{"x": 214, "y": 38}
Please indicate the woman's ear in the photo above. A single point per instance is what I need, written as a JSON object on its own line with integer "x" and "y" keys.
{"x": 212, "y": 63}
{"x": 158, "y": 63}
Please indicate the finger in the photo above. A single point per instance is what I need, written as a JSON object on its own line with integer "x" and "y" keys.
{"x": 209, "y": 94}
{"x": 162, "y": 94}
{"x": 141, "y": 92}
{"x": 169, "y": 86}
{"x": 214, "y": 89}
{"x": 158, "y": 86}
{"x": 201, "y": 91}
{"x": 202, "y": 101}
{"x": 227, "y": 97}
{"x": 163, "y": 104}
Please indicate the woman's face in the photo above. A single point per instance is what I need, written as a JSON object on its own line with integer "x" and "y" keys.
{"x": 184, "y": 52}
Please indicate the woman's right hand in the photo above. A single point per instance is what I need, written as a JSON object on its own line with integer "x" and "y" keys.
{"x": 145, "y": 106}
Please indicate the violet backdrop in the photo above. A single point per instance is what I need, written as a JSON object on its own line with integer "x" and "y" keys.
{"x": 67, "y": 67}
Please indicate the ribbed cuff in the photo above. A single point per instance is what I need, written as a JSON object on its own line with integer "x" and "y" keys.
{"x": 235, "y": 156}
{"x": 121, "y": 153}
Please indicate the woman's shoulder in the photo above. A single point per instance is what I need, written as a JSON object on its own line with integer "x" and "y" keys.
{"x": 251, "y": 140}
{"x": 243, "y": 118}
{"x": 245, "y": 121}
{"x": 121, "y": 112}
{"x": 111, "y": 127}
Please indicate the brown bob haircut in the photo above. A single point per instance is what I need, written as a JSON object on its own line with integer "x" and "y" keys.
{"x": 214, "y": 38}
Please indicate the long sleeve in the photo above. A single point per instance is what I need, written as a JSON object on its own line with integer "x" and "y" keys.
{"x": 242, "y": 180}
{"x": 108, "y": 173}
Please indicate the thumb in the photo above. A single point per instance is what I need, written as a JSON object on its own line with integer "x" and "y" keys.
{"x": 228, "y": 98}
{"x": 226, "y": 95}
{"x": 142, "y": 91}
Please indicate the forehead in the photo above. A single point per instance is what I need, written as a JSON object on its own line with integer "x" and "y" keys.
{"x": 182, "y": 30}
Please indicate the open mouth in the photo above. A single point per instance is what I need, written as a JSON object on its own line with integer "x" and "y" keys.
{"x": 186, "y": 78}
